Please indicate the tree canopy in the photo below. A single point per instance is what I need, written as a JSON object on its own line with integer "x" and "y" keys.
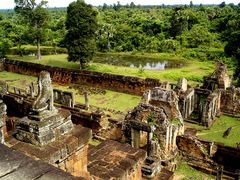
{"x": 36, "y": 17}
{"x": 81, "y": 25}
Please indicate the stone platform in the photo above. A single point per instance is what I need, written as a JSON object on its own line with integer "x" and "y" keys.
{"x": 68, "y": 153}
{"x": 15, "y": 165}
{"x": 42, "y": 130}
{"x": 113, "y": 160}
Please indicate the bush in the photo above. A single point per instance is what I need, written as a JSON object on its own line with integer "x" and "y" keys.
{"x": 168, "y": 45}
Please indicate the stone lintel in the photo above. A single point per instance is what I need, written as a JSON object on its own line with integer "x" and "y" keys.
{"x": 141, "y": 126}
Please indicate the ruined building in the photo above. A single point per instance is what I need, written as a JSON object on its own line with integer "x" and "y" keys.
{"x": 52, "y": 129}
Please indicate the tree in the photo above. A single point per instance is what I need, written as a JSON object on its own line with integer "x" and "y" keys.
{"x": 81, "y": 24}
{"x": 232, "y": 36}
{"x": 36, "y": 17}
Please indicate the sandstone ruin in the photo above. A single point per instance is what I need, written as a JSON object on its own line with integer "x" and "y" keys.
{"x": 48, "y": 124}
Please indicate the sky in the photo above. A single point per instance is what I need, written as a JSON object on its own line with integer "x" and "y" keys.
{"x": 9, "y": 4}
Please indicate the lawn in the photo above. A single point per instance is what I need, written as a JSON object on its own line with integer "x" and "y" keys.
{"x": 186, "y": 172}
{"x": 193, "y": 70}
{"x": 107, "y": 99}
{"x": 215, "y": 133}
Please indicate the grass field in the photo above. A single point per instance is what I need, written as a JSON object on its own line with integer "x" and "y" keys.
{"x": 111, "y": 99}
{"x": 215, "y": 133}
{"x": 186, "y": 172}
{"x": 193, "y": 71}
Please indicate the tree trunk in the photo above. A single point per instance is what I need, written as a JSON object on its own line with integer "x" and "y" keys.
{"x": 38, "y": 50}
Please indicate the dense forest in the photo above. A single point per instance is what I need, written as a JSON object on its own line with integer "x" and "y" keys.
{"x": 193, "y": 31}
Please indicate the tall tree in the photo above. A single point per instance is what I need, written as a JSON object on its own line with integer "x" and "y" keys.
{"x": 36, "y": 17}
{"x": 81, "y": 25}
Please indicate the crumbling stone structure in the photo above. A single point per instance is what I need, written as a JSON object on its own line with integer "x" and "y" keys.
{"x": 157, "y": 115}
{"x": 230, "y": 101}
{"x": 218, "y": 79}
{"x": 64, "y": 98}
{"x": 186, "y": 98}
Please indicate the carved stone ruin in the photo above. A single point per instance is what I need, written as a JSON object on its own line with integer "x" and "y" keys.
{"x": 159, "y": 117}
{"x": 45, "y": 123}
{"x": 64, "y": 98}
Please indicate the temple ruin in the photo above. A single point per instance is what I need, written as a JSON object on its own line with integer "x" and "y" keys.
{"x": 51, "y": 128}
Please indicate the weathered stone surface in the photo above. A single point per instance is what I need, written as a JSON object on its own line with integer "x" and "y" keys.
{"x": 230, "y": 100}
{"x": 218, "y": 79}
{"x": 14, "y": 165}
{"x": 43, "y": 104}
{"x": 166, "y": 100}
{"x": 111, "y": 159}
{"x": 45, "y": 129}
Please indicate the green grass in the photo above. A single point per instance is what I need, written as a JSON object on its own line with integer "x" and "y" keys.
{"x": 193, "y": 71}
{"x": 215, "y": 133}
{"x": 111, "y": 100}
{"x": 186, "y": 172}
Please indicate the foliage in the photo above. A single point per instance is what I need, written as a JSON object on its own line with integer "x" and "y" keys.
{"x": 81, "y": 24}
{"x": 232, "y": 35}
{"x": 36, "y": 17}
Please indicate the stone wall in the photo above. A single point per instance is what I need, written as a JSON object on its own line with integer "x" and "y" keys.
{"x": 208, "y": 156}
{"x": 228, "y": 157}
{"x": 230, "y": 101}
{"x": 126, "y": 84}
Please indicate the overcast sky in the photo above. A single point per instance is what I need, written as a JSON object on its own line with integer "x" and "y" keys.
{"x": 8, "y": 4}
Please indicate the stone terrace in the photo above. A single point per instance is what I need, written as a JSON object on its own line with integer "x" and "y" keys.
{"x": 113, "y": 160}
{"x": 14, "y": 165}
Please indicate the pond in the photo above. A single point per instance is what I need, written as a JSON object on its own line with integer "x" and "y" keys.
{"x": 139, "y": 62}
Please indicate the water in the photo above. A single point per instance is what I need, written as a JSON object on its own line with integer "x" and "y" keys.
{"x": 145, "y": 63}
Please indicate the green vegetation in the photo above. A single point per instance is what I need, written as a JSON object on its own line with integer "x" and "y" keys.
{"x": 109, "y": 99}
{"x": 36, "y": 19}
{"x": 81, "y": 25}
{"x": 184, "y": 172}
{"x": 215, "y": 133}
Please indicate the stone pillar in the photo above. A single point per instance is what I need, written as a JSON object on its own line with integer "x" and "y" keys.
{"x": 31, "y": 91}
{"x": 175, "y": 137}
{"x": 3, "y": 110}
{"x": 167, "y": 138}
{"x": 170, "y": 137}
{"x": 148, "y": 96}
{"x": 86, "y": 99}
{"x": 210, "y": 148}
{"x": 135, "y": 136}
